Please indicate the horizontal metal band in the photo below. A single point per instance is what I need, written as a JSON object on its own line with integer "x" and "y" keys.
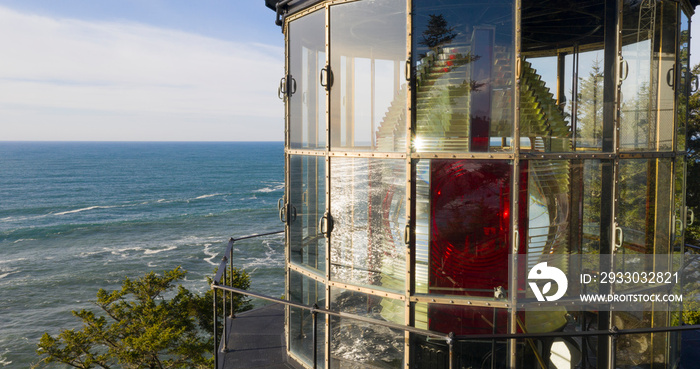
{"x": 390, "y": 155}
{"x": 459, "y": 300}
{"x": 305, "y": 152}
{"x": 462, "y": 155}
{"x": 368, "y": 290}
{"x": 307, "y": 273}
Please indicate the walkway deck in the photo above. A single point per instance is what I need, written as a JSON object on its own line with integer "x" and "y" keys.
{"x": 256, "y": 340}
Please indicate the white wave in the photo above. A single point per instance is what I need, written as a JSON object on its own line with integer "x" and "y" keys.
{"x": 23, "y": 218}
{"x": 12, "y": 260}
{"x": 84, "y": 209}
{"x": 123, "y": 252}
{"x": 89, "y": 253}
{"x": 210, "y": 195}
{"x": 277, "y": 187}
{"x": 149, "y": 252}
{"x": 24, "y": 239}
{"x": 3, "y": 275}
{"x": 212, "y": 254}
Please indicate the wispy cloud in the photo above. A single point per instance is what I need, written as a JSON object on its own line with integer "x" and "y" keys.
{"x": 74, "y": 79}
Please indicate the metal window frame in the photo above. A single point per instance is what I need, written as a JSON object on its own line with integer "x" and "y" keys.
{"x": 609, "y": 157}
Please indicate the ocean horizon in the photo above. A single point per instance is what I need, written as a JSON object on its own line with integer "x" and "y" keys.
{"x": 82, "y": 215}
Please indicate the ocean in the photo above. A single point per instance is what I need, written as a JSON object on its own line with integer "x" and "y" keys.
{"x": 79, "y": 216}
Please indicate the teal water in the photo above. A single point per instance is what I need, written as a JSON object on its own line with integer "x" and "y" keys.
{"x": 76, "y": 217}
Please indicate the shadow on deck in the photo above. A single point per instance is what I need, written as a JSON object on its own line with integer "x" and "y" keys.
{"x": 256, "y": 340}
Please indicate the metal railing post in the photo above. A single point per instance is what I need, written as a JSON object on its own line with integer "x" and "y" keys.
{"x": 223, "y": 310}
{"x": 314, "y": 314}
{"x": 613, "y": 346}
{"x": 450, "y": 343}
{"x": 216, "y": 322}
{"x": 230, "y": 264}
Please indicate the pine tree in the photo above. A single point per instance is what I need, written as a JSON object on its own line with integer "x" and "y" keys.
{"x": 138, "y": 326}
{"x": 589, "y": 127}
{"x": 437, "y": 33}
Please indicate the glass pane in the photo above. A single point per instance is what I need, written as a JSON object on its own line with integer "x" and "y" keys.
{"x": 368, "y": 210}
{"x": 549, "y": 209}
{"x": 641, "y": 350}
{"x": 463, "y": 65}
{"x": 422, "y": 232}
{"x": 461, "y": 320}
{"x": 588, "y": 111}
{"x": 644, "y": 193}
{"x": 561, "y": 44}
{"x": 591, "y": 206}
{"x": 684, "y": 81}
{"x": 368, "y": 98}
{"x": 307, "y": 104}
{"x": 307, "y": 197}
{"x": 647, "y": 108}
{"x": 543, "y": 124}
{"x": 357, "y": 344}
{"x": 470, "y": 226}
{"x": 679, "y": 205}
{"x": 306, "y": 291}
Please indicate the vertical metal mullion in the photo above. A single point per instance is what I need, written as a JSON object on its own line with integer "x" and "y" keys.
{"x": 512, "y": 344}
{"x": 561, "y": 80}
{"x": 411, "y": 187}
{"x": 684, "y": 208}
{"x": 287, "y": 240}
{"x": 677, "y": 79}
{"x": 327, "y": 333}
{"x": 372, "y": 81}
{"x": 609, "y": 167}
{"x": 574, "y": 95}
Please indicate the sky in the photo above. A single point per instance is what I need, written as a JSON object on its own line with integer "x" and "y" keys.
{"x": 140, "y": 70}
{"x": 144, "y": 70}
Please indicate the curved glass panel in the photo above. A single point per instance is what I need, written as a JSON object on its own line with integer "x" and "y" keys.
{"x": 357, "y": 344}
{"x": 549, "y": 209}
{"x": 561, "y": 84}
{"x": 368, "y": 211}
{"x": 462, "y": 321}
{"x": 464, "y": 209}
{"x": 307, "y": 103}
{"x": 544, "y": 126}
{"x": 590, "y": 191}
{"x": 463, "y": 70}
{"x": 679, "y": 205}
{"x": 304, "y": 290}
{"x": 588, "y": 108}
{"x": 647, "y": 104}
{"x": 368, "y": 97}
{"x": 307, "y": 204}
{"x": 644, "y": 193}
